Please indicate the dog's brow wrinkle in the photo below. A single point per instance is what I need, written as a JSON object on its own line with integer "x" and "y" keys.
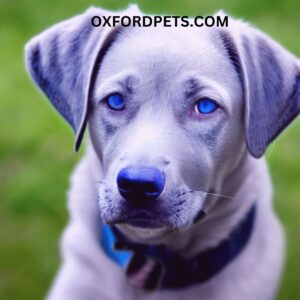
{"x": 192, "y": 86}
{"x": 129, "y": 83}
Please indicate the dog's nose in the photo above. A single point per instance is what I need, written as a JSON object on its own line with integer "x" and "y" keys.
{"x": 139, "y": 184}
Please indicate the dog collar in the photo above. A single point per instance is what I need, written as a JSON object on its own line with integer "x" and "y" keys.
{"x": 158, "y": 267}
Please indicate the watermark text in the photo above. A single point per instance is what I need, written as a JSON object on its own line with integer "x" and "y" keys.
{"x": 165, "y": 21}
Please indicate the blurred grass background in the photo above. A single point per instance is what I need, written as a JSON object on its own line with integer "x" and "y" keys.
{"x": 36, "y": 155}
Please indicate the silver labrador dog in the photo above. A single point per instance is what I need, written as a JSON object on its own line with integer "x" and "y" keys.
{"x": 179, "y": 119}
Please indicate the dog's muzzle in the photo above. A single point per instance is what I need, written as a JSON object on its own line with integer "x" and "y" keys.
{"x": 140, "y": 184}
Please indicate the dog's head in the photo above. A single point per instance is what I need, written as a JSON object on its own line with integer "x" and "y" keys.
{"x": 171, "y": 111}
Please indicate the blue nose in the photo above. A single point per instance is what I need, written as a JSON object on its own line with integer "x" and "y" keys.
{"x": 139, "y": 184}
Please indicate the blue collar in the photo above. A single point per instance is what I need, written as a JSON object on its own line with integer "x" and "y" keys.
{"x": 153, "y": 267}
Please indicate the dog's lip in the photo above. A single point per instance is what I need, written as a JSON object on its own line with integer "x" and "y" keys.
{"x": 144, "y": 223}
{"x": 146, "y": 235}
{"x": 139, "y": 220}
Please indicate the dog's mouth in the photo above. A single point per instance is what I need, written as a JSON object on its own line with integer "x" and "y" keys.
{"x": 173, "y": 210}
{"x": 141, "y": 222}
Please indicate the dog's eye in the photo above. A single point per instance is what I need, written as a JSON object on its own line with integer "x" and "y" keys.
{"x": 206, "y": 106}
{"x": 115, "y": 102}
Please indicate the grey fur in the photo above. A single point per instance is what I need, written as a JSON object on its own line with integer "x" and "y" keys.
{"x": 271, "y": 74}
{"x": 62, "y": 63}
{"x": 269, "y": 95}
{"x": 162, "y": 73}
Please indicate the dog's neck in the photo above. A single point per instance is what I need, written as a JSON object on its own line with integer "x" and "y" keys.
{"x": 248, "y": 183}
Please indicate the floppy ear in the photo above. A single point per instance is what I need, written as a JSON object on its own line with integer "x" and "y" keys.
{"x": 63, "y": 62}
{"x": 270, "y": 76}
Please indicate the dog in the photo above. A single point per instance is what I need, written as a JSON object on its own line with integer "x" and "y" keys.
{"x": 173, "y": 197}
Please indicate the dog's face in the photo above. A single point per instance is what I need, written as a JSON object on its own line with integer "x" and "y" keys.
{"x": 179, "y": 115}
{"x": 171, "y": 111}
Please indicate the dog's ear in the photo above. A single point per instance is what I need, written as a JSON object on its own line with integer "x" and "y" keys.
{"x": 63, "y": 61}
{"x": 270, "y": 76}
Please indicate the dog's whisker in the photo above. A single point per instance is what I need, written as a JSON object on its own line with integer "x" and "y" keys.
{"x": 213, "y": 194}
{"x": 221, "y": 195}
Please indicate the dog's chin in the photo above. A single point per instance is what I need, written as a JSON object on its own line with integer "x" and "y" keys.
{"x": 142, "y": 229}
{"x": 144, "y": 223}
{"x": 145, "y": 234}
{"x": 137, "y": 221}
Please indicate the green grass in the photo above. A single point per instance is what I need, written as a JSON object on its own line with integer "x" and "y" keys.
{"x": 36, "y": 154}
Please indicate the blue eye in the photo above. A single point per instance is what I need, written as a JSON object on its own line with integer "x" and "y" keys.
{"x": 206, "y": 106}
{"x": 115, "y": 102}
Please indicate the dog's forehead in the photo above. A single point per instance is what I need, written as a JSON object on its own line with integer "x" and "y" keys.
{"x": 169, "y": 55}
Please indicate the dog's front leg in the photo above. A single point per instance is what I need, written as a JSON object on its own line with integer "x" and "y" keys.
{"x": 81, "y": 274}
